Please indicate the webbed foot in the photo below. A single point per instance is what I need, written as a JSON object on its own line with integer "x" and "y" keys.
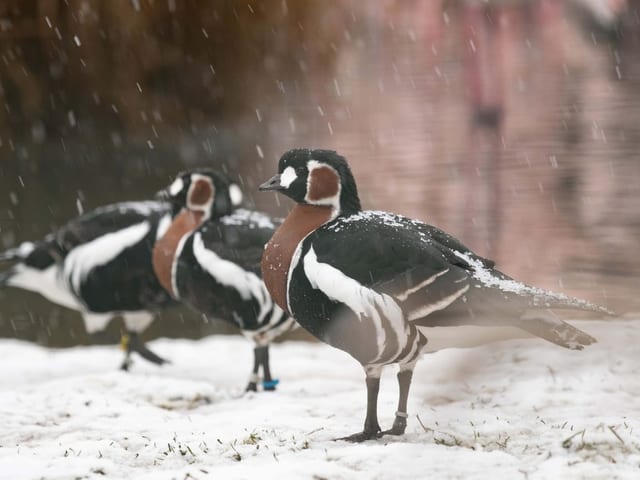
{"x": 362, "y": 436}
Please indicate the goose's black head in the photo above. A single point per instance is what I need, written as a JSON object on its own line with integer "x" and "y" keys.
{"x": 316, "y": 177}
{"x": 203, "y": 190}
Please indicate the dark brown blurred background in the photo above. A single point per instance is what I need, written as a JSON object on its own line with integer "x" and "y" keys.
{"x": 514, "y": 125}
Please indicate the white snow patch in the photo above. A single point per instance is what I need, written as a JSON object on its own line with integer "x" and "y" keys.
{"x": 367, "y": 215}
{"x": 518, "y": 409}
{"x": 486, "y": 277}
{"x": 541, "y": 297}
{"x": 390, "y": 219}
{"x": 145, "y": 208}
{"x": 250, "y": 218}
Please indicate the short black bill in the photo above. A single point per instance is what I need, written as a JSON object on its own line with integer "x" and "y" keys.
{"x": 272, "y": 184}
{"x": 162, "y": 196}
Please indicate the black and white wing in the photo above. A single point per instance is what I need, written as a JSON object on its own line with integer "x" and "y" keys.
{"x": 239, "y": 237}
{"x": 107, "y": 256}
{"x": 393, "y": 258}
{"x": 434, "y": 279}
{"x": 109, "y": 219}
{"x": 218, "y": 271}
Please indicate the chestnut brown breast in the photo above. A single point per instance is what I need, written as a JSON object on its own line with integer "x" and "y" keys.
{"x": 276, "y": 260}
{"x": 164, "y": 251}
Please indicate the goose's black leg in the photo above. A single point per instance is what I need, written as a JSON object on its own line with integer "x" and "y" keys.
{"x": 400, "y": 422}
{"x": 371, "y": 428}
{"x": 268, "y": 383}
{"x": 252, "y": 386}
{"x": 124, "y": 345}
{"x": 131, "y": 342}
{"x": 261, "y": 359}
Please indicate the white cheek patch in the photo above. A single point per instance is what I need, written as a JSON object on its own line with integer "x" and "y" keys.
{"x": 236, "y": 195}
{"x": 287, "y": 177}
{"x": 176, "y": 187}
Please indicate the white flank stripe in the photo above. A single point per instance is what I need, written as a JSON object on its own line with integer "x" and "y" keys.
{"x": 174, "y": 265}
{"x": 398, "y": 324}
{"x": 411, "y": 355}
{"x": 176, "y": 187}
{"x": 163, "y": 226}
{"x": 227, "y": 273}
{"x": 362, "y": 300}
{"x": 267, "y": 331}
{"x": 403, "y": 296}
{"x": 81, "y": 260}
{"x": 96, "y": 322}
{"x": 432, "y": 307}
{"x": 137, "y": 321}
{"x": 25, "y": 248}
{"x": 295, "y": 258}
{"x": 21, "y": 251}
{"x": 48, "y": 283}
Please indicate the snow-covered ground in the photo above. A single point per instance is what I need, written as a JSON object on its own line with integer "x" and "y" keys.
{"x": 518, "y": 409}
